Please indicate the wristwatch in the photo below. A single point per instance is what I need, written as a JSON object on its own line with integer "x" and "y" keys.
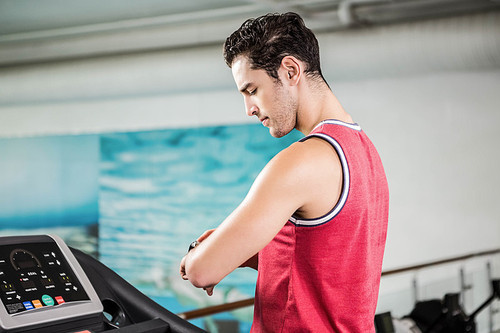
{"x": 193, "y": 245}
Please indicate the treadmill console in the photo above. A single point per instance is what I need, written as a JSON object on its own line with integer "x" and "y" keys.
{"x": 47, "y": 287}
{"x": 42, "y": 283}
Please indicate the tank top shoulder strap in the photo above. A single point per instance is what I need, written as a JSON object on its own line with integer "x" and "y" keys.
{"x": 323, "y": 131}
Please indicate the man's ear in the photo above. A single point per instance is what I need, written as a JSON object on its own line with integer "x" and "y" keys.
{"x": 291, "y": 67}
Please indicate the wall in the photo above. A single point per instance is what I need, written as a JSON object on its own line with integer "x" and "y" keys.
{"x": 436, "y": 135}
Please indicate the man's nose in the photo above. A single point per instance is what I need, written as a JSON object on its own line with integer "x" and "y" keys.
{"x": 251, "y": 110}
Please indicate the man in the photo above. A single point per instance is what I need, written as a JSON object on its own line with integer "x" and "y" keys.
{"x": 314, "y": 222}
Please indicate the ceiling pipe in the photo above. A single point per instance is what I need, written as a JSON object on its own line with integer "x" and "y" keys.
{"x": 346, "y": 10}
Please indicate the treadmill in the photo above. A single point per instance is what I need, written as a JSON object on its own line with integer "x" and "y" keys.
{"x": 46, "y": 287}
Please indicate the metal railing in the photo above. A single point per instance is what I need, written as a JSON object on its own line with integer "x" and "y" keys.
{"x": 248, "y": 302}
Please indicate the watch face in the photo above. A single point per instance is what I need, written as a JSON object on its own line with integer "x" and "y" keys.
{"x": 192, "y": 245}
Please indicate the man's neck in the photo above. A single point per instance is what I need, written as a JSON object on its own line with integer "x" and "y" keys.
{"x": 318, "y": 105}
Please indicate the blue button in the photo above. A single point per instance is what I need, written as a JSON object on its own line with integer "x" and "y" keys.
{"x": 28, "y": 305}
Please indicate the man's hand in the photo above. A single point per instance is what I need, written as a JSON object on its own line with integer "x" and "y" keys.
{"x": 182, "y": 268}
{"x": 209, "y": 290}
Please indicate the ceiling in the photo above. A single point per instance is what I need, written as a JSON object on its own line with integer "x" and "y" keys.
{"x": 23, "y": 16}
{"x": 76, "y": 25}
{"x": 18, "y": 17}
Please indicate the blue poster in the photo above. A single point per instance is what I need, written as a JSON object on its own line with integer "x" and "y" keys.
{"x": 49, "y": 185}
{"x": 137, "y": 200}
{"x": 160, "y": 190}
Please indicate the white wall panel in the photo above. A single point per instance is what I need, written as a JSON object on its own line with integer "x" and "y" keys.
{"x": 437, "y": 136}
{"x": 447, "y": 45}
{"x": 119, "y": 115}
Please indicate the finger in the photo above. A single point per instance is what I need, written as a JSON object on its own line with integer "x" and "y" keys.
{"x": 209, "y": 290}
{"x": 182, "y": 266}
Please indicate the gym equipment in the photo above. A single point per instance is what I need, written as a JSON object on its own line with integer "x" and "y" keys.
{"x": 46, "y": 287}
{"x": 452, "y": 318}
{"x": 439, "y": 316}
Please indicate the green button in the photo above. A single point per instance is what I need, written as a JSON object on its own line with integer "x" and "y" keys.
{"x": 47, "y": 300}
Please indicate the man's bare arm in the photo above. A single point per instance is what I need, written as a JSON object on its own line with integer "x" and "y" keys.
{"x": 288, "y": 183}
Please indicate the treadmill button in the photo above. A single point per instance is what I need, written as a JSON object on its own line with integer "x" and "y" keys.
{"x": 47, "y": 300}
{"x": 36, "y": 303}
{"x": 28, "y": 305}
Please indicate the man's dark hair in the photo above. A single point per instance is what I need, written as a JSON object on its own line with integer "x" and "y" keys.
{"x": 266, "y": 40}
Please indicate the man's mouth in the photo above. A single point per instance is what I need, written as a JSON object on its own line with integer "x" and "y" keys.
{"x": 264, "y": 121}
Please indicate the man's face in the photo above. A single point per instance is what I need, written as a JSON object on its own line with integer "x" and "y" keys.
{"x": 265, "y": 98}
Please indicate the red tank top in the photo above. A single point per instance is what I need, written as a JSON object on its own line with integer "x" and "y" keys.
{"x": 323, "y": 275}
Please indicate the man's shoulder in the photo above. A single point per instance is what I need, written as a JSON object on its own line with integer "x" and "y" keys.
{"x": 305, "y": 158}
{"x": 309, "y": 151}
{"x": 308, "y": 172}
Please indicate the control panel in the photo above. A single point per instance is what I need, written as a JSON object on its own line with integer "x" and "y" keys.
{"x": 41, "y": 282}
{"x": 35, "y": 276}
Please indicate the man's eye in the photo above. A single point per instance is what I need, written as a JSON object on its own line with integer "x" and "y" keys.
{"x": 252, "y": 92}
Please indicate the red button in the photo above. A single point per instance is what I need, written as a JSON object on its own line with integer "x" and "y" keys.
{"x": 59, "y": 299}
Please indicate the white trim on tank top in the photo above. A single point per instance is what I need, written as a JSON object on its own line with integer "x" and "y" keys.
{"x": 345, "y": 170}
{"x": 353, "y": 126}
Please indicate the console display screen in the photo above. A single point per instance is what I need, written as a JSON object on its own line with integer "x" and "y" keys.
{"x": 36, "y": 275}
